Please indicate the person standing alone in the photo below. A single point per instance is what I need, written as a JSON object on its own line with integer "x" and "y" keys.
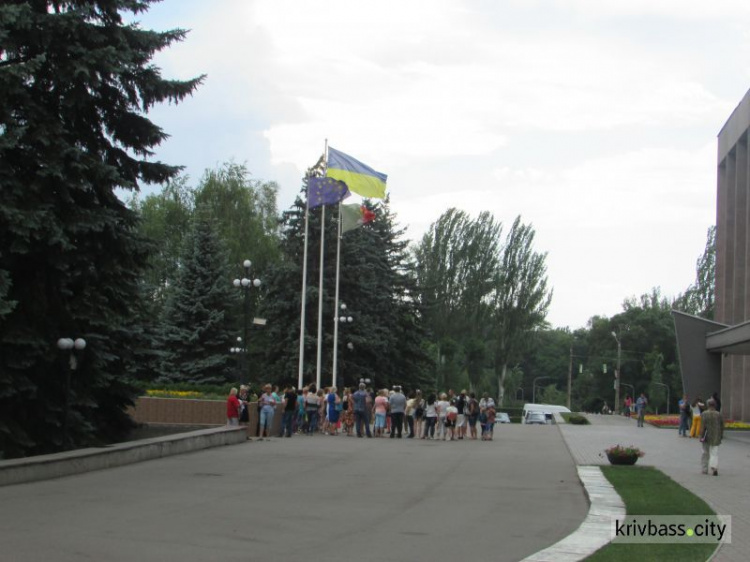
{"x": 713, "y": 431}
{"x": 640, "y": 406}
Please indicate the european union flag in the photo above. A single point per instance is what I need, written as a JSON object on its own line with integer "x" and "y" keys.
{"x": 325, "y": 191}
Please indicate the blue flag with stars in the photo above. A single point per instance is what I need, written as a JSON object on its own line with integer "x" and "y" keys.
{"x": 325, "y": 191}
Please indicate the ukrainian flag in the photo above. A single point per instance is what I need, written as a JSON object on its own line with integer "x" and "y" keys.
{"x": 358, "y": 177}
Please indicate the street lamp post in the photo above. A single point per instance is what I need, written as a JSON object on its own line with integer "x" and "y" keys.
{"x": 245, "y": 284}
{"x": 617, "y": 373}
{"x": 72, "y": 346}
{"x": 631, "y": 387}
{"x": 665, "y": 386}
{"x": 239, "y": 352}
{"x": 344, "y": 318}
{"x": 533, "y": 388}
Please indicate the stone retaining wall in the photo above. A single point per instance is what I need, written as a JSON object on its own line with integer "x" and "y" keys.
{"x": 176, "y": 411}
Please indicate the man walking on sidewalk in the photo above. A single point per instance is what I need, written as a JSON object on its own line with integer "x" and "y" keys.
{"x": 640, "y": 407}
{"x": 713, "y": 431}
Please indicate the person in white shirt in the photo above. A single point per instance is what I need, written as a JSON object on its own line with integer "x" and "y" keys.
{"x": 430, "y": 413}
{"x": 442, "y": 410}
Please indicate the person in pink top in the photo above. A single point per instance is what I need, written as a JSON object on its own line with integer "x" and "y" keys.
{"x": 380, "y": 409}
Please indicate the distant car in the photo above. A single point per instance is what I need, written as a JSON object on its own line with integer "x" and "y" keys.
{"x": 536, "y": 418}
{"x": 502, "y": 417}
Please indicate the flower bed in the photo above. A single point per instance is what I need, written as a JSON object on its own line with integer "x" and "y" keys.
{"x": 163, "y": 393}
{"x": 663, "y": 420}
{"x": 674, "y": 421}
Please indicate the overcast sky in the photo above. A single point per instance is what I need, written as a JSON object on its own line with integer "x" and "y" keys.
{"x": 594, "y": 120}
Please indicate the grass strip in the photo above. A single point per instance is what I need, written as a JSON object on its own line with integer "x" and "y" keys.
{"x": 648, "y": 491}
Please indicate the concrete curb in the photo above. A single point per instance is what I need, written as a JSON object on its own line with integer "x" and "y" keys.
{"x": 595, "y": 531}
{"x": 44, "y": 467}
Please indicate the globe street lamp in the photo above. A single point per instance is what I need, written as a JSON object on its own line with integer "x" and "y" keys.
{"x": 72, "y": 346}
{"x": 245, "y": 284}
{"x": 239, "y": 352}
{"x": 344, "y": 319}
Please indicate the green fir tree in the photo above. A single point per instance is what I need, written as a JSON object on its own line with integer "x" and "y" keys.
{"x": 198, "y": 327}
{"x": 75, "y": 83}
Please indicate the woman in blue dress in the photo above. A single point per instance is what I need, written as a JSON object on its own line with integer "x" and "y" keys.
{"x": 334, "y": 411}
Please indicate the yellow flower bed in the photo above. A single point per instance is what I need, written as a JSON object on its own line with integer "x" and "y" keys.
{"x": 161, "y": 393}
{"x": 736, "y": 425}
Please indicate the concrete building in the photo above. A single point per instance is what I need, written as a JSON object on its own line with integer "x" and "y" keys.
{"x": 715, "y": 356}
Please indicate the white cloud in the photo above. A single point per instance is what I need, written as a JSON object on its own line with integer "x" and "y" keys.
{"x": 687, "y": 9}
{"x": 595, "y": 121}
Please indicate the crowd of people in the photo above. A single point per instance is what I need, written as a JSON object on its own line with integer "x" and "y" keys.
{"x": 367, "y": 412}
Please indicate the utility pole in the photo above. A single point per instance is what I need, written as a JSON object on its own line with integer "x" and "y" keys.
{"x": 617, "y": 373}
{"x": 570, "y": 374}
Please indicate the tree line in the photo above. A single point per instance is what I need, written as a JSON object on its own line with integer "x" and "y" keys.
{"x": 148, "y": 281}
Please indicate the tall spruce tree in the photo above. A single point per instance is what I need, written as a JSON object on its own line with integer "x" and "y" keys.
{"x": 198, "y": 327}
{"x": 75, "y": 83}
{"x": 376, "y": 284}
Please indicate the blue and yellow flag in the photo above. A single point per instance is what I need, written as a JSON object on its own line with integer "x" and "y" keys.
{"x": 358, "y": 177}
{"x": 325, "y": 191}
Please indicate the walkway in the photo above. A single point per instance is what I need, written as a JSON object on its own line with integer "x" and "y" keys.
{"x": 302, "y": 499}
{"x": 727, "y": 494}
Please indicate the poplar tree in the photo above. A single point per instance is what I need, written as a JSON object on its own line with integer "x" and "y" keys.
{"x": 75, "y": 84}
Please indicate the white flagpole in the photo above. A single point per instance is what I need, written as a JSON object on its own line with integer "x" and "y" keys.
{"x": 320, "y": 285}
{"x": 304, "y": 298}
{"x": 336, "y": 301}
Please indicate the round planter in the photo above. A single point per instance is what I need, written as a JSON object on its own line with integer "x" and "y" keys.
{"x": 628, "y": 460}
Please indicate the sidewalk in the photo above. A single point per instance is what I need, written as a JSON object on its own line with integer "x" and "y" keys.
{"x": 727, "y": 494}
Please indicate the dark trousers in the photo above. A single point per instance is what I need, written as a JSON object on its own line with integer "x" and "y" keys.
{"x": 359, "y": 419}
{"x": 397, "y": 423}
{"x": 429, "y": 427}
{"x": 410, "y": 423}
{"x": 312, "y": 421}
{"x": 684, "y": 424}
{"x": 286, "y": 424}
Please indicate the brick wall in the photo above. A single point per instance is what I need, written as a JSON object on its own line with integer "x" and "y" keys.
{"x": 176, "y": 411}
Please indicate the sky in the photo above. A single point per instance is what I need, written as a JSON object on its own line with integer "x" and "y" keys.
{"x": 595, "y": 121}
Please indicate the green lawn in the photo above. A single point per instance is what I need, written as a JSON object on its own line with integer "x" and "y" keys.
{"x": 648, "y": 491}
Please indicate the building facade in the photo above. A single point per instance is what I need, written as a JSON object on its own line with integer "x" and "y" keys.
{"x": 733, "y": 260}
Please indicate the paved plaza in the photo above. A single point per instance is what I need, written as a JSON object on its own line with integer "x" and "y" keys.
{"x": 678, "y": 457}
{"x": 309, "y": 498}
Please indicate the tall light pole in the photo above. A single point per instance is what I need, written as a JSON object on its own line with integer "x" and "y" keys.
{"x": 245, "y": 284}
{"x": 617, "y": 373}
{"x": 343, "y": 319}
{"x": 570, "y": 375}
{"x": 631, "y": 387}
{"x": 665, "y": 386}
{"x": 70, "y": 345}
{"x": 239, "y": 352}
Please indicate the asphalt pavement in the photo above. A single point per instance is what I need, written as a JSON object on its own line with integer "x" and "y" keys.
{"x": 309, "y": 498}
